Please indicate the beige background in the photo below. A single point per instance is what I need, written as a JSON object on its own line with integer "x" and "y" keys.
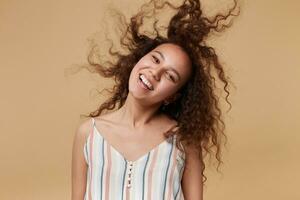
{"x": 40, "y": 107}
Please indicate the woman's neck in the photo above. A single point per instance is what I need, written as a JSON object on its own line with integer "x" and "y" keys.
{"x": 134, "y": 114}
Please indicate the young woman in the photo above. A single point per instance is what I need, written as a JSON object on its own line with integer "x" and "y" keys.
{"x": 152, "y": 147}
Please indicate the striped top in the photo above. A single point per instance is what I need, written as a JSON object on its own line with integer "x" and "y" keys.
{"x": 154, "y": 176}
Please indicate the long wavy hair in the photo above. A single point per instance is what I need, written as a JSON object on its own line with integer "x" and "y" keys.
{"x": 197, "y": 111}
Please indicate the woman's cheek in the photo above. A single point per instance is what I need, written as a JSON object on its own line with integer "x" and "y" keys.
{"x": 167, "y": 91}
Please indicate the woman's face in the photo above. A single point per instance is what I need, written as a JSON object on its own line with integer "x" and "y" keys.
{"x": 159, "y": 74}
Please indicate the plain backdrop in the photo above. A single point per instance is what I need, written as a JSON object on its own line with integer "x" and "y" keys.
{"x": 41, "y": 107}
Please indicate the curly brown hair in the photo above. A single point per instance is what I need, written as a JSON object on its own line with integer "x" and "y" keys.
{"x": 197, "y": 111}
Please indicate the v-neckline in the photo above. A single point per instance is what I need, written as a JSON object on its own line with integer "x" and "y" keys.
{"x": 122, "y": 155}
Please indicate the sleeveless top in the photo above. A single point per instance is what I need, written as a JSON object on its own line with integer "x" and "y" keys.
{"x": 155, "y": 175}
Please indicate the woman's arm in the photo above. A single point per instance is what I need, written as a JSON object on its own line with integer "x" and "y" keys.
{"x": 79, "y": 166}
{"x": 192, "y": 177}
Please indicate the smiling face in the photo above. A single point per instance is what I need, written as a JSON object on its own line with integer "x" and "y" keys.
{"x": 159, "y": 74}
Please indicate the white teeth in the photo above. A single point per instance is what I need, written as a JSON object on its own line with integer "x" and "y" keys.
{"x": 146, "y": 81}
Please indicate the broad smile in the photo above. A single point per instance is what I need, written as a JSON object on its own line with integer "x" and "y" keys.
{"x": 145, "y": 82}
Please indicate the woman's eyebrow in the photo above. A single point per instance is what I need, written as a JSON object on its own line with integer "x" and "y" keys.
{"x": 161, "y": 55}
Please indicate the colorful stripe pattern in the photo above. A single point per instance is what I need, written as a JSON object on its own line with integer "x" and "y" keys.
{"x": 154, "y": 176}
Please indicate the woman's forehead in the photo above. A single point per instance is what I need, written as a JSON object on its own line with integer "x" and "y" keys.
{"x": 172, "y": 51}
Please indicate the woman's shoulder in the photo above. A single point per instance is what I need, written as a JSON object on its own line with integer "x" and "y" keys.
{"x": 164, "y": 118}
{"x": 105, "y": 118}
{"x": 84, "y": 129}
{"x": 173, "y": 123}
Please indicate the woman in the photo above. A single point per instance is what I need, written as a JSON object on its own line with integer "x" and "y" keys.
{"x": 153, "y": 145}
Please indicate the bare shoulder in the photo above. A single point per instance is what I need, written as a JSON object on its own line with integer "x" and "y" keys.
{"x": 105, "y": 118}
{"x": 191, "y": 149}
{"x": 167, "y": 120}
{"x": 83, "y": 130}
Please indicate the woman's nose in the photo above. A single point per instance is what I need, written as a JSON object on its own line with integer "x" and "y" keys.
{"x": 156, "y": 72}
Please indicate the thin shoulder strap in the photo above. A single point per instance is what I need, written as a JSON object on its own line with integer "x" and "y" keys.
{"x": 93, "y": 127}
{"x": 93, "y": 121}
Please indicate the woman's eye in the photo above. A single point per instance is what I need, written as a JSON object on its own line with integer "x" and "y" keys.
{"x": 155, "y": 59}
{"x": 170, "y": 76}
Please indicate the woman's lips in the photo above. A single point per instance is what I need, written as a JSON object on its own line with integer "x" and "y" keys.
{"x": 142, "y": 84}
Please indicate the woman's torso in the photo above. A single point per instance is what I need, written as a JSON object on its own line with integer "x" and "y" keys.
{"x": 156, "y": 175}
